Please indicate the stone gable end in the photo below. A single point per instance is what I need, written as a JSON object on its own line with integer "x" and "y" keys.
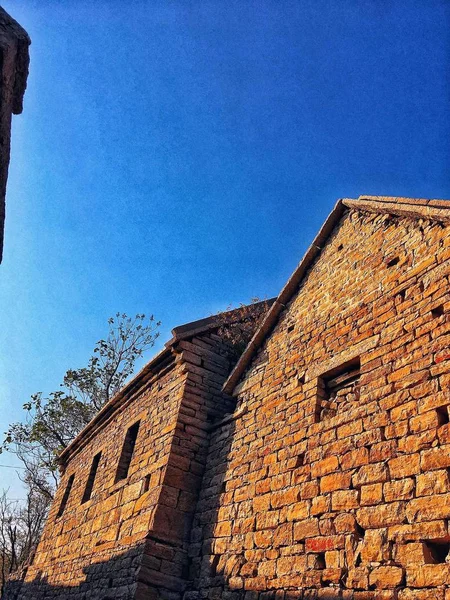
{"x": 334, "y": 481}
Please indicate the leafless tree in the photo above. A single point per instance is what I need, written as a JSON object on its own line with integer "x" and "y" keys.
{"x": 21, "y": 524}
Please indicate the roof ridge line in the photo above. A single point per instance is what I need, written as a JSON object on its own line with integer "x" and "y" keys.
{"x": 438, "y": 210}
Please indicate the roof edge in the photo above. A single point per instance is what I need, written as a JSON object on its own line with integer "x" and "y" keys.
{"x": 285, "y": 295}
{"x": 405, "y": 207}
{"x": 158, "y": 363}
{"x": 187, "y": 330}
{"x": 416, "y": 208}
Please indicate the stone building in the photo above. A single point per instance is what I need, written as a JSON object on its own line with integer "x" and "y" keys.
{"x": 14, "y": 60}
{"x": 320, "y": 469}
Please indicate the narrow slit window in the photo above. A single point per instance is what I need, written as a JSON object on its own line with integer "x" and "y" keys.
{"x": 146, "y": 485}
{"x": 65, "y": 498}
{"x": 127, "y": 452}
{"x": 91, "y": 479}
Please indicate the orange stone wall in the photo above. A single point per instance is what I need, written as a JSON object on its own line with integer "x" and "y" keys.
{"x": 110, "y": 528}
{"x": 301, "y": 502}
{"x": 126, "y": 542}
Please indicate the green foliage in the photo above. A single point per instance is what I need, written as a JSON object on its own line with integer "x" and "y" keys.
{"x": 51, "y": 423}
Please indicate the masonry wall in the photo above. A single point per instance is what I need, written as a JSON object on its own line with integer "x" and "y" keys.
{"x": 110, "y": 529}
{"x": 131, "y": 538}
{"x": 348, "y": 497}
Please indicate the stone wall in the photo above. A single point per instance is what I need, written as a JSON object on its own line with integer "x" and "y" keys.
{"x": 130, "y": 538}
{"x": 327, "y": 477}
{"x": 333, "y": 479}
{"x": 14, "y": 60}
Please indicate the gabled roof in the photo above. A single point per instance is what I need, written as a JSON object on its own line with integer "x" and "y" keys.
{"x": 417, "y": 208}
{"x": 161, "y": 363}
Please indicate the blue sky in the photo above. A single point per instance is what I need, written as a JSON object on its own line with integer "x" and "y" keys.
{"x": 177, "y": 156}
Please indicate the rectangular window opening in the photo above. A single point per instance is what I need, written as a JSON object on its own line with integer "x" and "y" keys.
{"x": 338, "y": 388}
{"x": 127, "y": 452}
{"x": 65, "y": 498}
{"x": 442, "y": 415}
{"x": 319, "y": 561}
{"x": 393, "y": 261}
{"x": 91, "y": 479}
{"x": 215, "y": 564}
{"x": 437, "y": 311}
{"x": 146, "y": 485}
{"x": 438, "y": 551}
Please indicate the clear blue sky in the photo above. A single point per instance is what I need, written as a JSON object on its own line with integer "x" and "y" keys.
{"x": 174, "y": 157}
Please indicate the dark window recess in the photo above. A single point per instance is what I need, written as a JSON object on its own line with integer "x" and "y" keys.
{"x": 438, "y": 551}
{"x": 360, "y": 531}
{"x": 300, "y": 460}
{"x": 337, "y": 389}
{"x": 215, "y": 564}
{"x": 127, "y": 452}
{"x": 65, "y": 498}
{"x": 319, "y": 561}
{"x": 442, "y": 415}
{"x": 437, "y": 311}
{"x": 91, "y": 479}
{"x": 392, "y": 261}
{"x": 146, "y": 485}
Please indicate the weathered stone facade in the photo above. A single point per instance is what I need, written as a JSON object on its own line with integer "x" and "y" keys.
{"x": 330, "y": 480}
{"x": 14, "y": 60}
{"x": 121, "y": 529}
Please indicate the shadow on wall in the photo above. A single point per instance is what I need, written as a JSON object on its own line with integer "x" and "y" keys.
{"x": 119, "y": 578}
{"x": 226, "y": 557}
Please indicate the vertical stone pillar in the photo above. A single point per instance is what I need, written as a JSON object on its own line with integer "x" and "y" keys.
{"x": 14, "y": 61}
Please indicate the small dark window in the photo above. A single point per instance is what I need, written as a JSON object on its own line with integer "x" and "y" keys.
{"x": 300, "y": 460}
{"x": 90, "y": 482}
{"x": 438, "y": 551}
{"x": 127, "y": 452}
{"x": 393, "y": 261}
{"x": 215, "y": 564}
{"x": 65, "y": 498}
{"x": 320, "y": 560}
{"x": 338, "y": 388}
{"x": 437, "y": 311}
{"x": 360, "y": 531}
{"x": 442, "y": 415}
{"x": 146, "y": 485}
